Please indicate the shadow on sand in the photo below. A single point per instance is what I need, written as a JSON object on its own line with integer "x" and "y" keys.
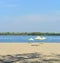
{"x": 30, "y": 58}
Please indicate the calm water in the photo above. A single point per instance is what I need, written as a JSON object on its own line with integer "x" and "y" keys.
{"x": 26, "y": 39}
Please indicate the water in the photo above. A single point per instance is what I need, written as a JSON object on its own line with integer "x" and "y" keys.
{"x": 13, "y": 38}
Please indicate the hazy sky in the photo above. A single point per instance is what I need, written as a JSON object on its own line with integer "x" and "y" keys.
{"x": 30, "y": 15}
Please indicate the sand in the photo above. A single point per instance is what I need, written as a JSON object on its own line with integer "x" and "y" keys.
{"x": 21, "y": 48}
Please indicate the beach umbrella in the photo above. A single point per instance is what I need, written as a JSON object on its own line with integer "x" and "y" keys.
{"x": 33, "y": 44}
{"x": 40, "y": 38}
{"x": 31, "y": 39}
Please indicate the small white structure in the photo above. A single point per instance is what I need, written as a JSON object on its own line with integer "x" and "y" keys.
{"x": 31, "y": 39}
{"x": 40, "y": 38}
{"x": 33, "y": 44}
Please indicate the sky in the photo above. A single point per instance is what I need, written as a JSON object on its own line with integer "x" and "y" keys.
{"x": 29, "y": 15}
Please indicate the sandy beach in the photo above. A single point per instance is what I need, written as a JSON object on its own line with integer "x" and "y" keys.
{"x": 29, "y": 52}
{"x": 21, "y": 48}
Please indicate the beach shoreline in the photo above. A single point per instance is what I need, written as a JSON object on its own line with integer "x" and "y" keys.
{"x": 21, "y": 48}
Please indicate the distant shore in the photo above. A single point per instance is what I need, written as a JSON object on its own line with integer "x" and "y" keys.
{"x": 21, "y": 48}
{"x": 31, "y": 33}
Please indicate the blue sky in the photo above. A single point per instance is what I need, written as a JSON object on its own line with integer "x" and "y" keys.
{"x": 29, "y": 15}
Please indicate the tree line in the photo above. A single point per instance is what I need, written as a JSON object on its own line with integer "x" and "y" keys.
{"x": 30, "y": 33}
